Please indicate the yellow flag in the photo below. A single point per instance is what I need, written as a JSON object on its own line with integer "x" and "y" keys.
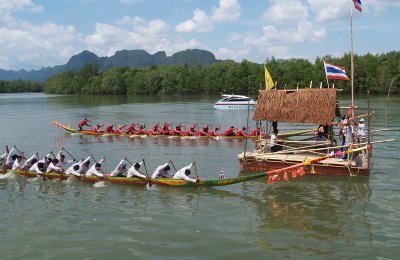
{"x": 269, "y": 83}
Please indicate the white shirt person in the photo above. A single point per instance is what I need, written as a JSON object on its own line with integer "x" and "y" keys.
{"x": 120, "y": 170}
{"x": 133, "y": 171}
{"x": 74, "y": 170}
{"x": 53, "y": 166}
{"x": 184, "y": 172}
{"x": 162, "y": 171}
{"x": 95, "y": 169}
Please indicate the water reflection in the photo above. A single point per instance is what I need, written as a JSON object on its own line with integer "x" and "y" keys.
{"x": 319, "y": 209}
{"x": 164, "y": 141}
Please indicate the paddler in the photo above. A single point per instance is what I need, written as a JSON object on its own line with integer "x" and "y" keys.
{"x": 162, "y": 171}
{"x": 119, "y": 129}
{"x": 203, "y": 131}
{"x": 140, "y": 130}
{"x": 214, "y": 131}
{"x": 31, "y": 161}
{"x": 183, "y": 174}
{"x": 131, "y": 128}
{"x": 18, "y": 159}
{"x": 8, "y": 158}
{"x": 96, "y": 129}
{"x": 74, "y": 170}
{"x": 83, "y": 166}
{"x": 154, "y": 129}
{"x": 134, "y": 171}
{"x": 83, "y": 123}
{"x": 120, "y": 170}
{"x": 38, "y": 167}
{"x": 177, "y": 130}
{"x": 191, "y": 131}
{"x": 3, "y": 157}
{"x": 256, "y": 131}
{"x": 53, "y": 167}
{"x": 229, "y": 132}
{"x": 61, "y": 160}
{"x": 13, "y": 159}
{"x": 95, "y": 169}
{"x": 109, "y": 128}
{"x": 165, "y": 129}
{"x": 241, "y": 132}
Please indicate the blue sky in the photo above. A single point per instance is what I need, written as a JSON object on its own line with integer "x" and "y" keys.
{"x": 40, "y": 33}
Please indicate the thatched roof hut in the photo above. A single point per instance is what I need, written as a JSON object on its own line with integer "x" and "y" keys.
{"x": 313, "y": 106}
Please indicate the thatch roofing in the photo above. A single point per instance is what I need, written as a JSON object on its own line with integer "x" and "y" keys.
{"x": 314, "y": 106}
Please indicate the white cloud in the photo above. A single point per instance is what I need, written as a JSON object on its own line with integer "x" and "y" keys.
{"x": 143, "y": 27}
{"x": 304, "y": 32}
{"x": 286, "y": 10}
{"x": 132, "y": 21}
{"x": 7, "y": 7}
{"x": 380, "y": 6}
{"x": 228, "y": 10}
{"x": 199, "y": 23}
{"x": 183, "y": 45}
{"x": 46, "y": 44}
{"x": 130, "y": 2}
{"x": 140, "y": 34}
{"x": 155, "y": 27}
{"x": 237, "y": 53}
{"x": 330, "y": 10}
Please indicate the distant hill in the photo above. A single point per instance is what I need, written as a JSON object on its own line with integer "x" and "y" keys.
{"x": 124, "y": 58}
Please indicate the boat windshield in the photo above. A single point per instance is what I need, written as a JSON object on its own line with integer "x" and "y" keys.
{"x": 235, "y": 98}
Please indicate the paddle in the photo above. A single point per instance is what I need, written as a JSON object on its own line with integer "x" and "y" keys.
{"x": 21, "y": 153}
{"x": 4, "y": 170}
{"x": 173, "y": 165}
{"x": 149, "y": 179}
{"x": 128, "y": 161}
{"x": 17, "y": 149}
{"x": 73, "y": 158}
{"x": 195, "y": 169}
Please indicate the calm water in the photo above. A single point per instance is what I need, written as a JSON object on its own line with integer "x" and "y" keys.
{"x": 312, "y": 217}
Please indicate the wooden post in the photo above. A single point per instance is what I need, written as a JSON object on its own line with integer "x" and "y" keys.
{"x": 387, "y": 102}
{"x": 369, "y": 152}
{"x": 352, "y": 62}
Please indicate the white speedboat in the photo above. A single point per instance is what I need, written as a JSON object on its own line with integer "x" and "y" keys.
{"x": 235, "y": 102}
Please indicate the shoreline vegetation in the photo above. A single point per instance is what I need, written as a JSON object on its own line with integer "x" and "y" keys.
{"x": 376, "y": 73}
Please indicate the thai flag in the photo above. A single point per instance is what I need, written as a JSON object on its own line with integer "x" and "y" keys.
{"x": 335, "y": 72}
{"x": 357, "y": 5}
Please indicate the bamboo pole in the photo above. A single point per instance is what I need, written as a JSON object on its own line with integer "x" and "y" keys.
{"x": 369, "y": 133}
{"x": 295, "y": 148}
{"x": 387, "y": 102}
{"x": 341, "y": 146}
{"x": 299, "y": 142}
{"x": 303, "y": 148}
{"x": 247, "y": 125}
{"x": 352, "y": 61}
{"x": 383, "y": 130}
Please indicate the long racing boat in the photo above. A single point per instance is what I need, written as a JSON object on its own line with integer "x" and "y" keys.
{"x": 139, "y": 181}
{"x": 68, "y": 128}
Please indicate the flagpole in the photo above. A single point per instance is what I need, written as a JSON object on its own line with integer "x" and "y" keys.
{"x": 352, "y": 61}
{"x": 326, "y": 74}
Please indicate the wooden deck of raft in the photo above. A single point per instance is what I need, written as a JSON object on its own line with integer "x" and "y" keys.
{"x": 293, "y": 158}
